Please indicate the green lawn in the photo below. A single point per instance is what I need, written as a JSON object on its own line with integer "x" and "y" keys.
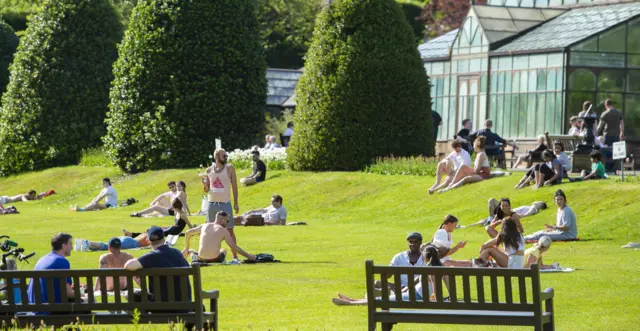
{"x": 352, "y": 217}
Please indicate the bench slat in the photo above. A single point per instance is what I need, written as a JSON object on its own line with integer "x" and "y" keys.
{"x": 49, "y": 288}
{"x": 117, "y": 297}
{"x": 411, "y": 284}
{"x": 91, "y": 299}
{"x": 466, "y": 288}
{"x": 172, "y": 289}
{"x": 453, "y": 293}
{"x": 36, "y": 290}
{"x": 385, "y": 288}
{"x": 23, "y": 290}
{"x": 144, "y": 291}
{"x": 494, "y": 289}
{"x": 508, "y": 289}
{"x": 438, "y": 289}
{"x": 8, "y": 282}
{"x": 62, "y": 283}
{"x": 480, "y": 288}
{"x": 445, "y": 271}
{"x": 183, "y": 288}
{"x": 522, "y": 284}
{"x": 156, "y": 285}
{"x": 474, "y": 305}
{"x": 76, "y": 289}
{"x": 104, "y": 295}
{"x": 130, "y": 282}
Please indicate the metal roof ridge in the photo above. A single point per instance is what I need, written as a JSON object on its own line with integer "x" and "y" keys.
{"x": 592, "y": 4}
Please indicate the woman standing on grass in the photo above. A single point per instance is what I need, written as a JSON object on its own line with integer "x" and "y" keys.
{"x": 466, "y": 174}
{"x": 442, "y": 238}
{"x": 513, "y": 243}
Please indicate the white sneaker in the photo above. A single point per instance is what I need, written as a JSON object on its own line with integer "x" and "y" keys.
{"x": 555, "y": 265}
{"x": 77, "y": 244}
{"x": 84, "y": 245}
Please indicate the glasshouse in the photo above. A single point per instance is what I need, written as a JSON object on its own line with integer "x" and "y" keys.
{"x": 529, "y": 66}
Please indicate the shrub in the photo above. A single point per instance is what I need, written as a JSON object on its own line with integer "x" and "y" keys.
{"x": 58, "y": 92}
{"x": 364, "y": 93}
{"x": 8, "y": 45}
{"x": 415, "y": 166}
{"x": 189, "y": 71}
{"x": 274, "y": 159}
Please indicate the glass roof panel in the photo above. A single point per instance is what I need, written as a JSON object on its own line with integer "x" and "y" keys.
{"x": 574, "y": 26}
{"x": 438, "y": 47}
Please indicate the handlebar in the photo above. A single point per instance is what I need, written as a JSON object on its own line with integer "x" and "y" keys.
{"x": 26, "y": 257}
{"x": 4, "y": 236}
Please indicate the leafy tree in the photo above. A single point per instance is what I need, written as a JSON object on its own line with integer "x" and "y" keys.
{"x": 442, "y": 16}
{"x": 8, "y": 45}
{"x": 57, "y": 96}
{"x": 412, "y": 11}
{"x": 189, "y": 71}
{"x": 364, "y": 92}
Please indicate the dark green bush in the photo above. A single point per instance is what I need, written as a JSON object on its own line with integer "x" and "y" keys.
{"x": 189, "y": 71}
{"x": 364, "y": 92}
{"x": 58, "y": 93}
{"x": 8, "y": 45}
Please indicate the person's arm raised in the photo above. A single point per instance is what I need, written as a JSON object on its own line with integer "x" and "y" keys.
{"x": 205, "y": 180}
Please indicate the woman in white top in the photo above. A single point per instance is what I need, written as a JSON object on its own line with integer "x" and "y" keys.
{"x": 513, "y": 243}
{"x": 449, "y": 165}
{"x": 442, "y": 239}
{"x": 466, "y": 174}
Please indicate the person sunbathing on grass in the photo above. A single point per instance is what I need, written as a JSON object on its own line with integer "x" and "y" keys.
{"x": 450, "y": 165}
{"x": 513, "y": 243}
{"x": 468, "y": 175}
{"x": 496, "y": 211}
{"x": 126, "y": 242}
{"x": 211, "y": 237}
{"x": 430, "y": 257}
{"x": 158, "y": 205}
{"x": 180, "y": 222}
{"x": 274, "y": 214}
{"x": 30, "y": 196}
{"x": 108, "y": 193}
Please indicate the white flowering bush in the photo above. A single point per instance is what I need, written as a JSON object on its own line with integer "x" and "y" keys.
{"x": 274, "y": 159}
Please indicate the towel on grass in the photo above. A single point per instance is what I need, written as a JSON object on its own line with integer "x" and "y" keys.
{"x": 559, "y": 269}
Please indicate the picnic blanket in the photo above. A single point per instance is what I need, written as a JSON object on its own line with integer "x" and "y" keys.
{"x": 559, "y": 269}
{"x": 297, "y": 223}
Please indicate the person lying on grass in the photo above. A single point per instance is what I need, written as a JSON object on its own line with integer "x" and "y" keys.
{"x": 534, "y": 254}
{"x": 211, "y": 237}
{"x": 597, "y": 169}
{"x": 512, "y": 242}
{"x": 501, "y": 213}
{"x": 468, "y": 175}
{"x": 126, "y": 242}
{"x": 442, "y": 239}
{"x": 565, "y": 228}
{"x": 430, "y": 256}
{"x": 450, "y": 165}
{"x": 496, "y": 211}
{"x": 30, "y": 196}
{"x": 180, "y": 222}
{"x": 274, "y": 214}
{"x": 108, "y": 193}
{"x": 158, "y": 205}
{"x": 549, "y": 173}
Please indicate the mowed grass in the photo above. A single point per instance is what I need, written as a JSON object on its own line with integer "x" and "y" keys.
{"x": 352, "y": 217}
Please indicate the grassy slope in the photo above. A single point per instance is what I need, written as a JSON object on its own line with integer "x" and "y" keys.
{"x": 352, "y": 217}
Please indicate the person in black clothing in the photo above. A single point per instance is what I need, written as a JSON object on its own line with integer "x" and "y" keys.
{"x": 259, "y": 171}
{"x": 180, "y": 222}
{"x": 464, "y": 136}
{"x": 492, "y": 140}
{"x": 437, "y": 121}
{"x": 162, "y": 256}
{"x": 533, "y": 153}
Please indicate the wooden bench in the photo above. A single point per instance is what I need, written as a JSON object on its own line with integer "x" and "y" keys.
{"x": 570, "y": 142}
{"x": 100, "y": 308}
{"x": 475, "y": 297}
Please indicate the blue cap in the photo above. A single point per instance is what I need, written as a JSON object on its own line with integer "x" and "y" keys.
{"x": 155, "y": 233}
{"x": 115, "y": 242}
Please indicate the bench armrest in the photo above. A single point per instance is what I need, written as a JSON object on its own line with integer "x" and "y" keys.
{"x": 546, "y": 294}
{"x": 213, "y": 294}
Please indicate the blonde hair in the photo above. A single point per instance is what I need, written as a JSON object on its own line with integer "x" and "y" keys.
{"x": 541, "y": 139}
{"x": 544, "y": 241}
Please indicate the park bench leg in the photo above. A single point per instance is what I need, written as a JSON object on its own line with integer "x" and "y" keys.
{"x": 387, "y": 326}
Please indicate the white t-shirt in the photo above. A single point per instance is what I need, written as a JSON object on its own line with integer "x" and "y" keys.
{"x": 459, "y": 159}
{"x": 111, "y": 196}
{"x": 564, "y": 159}
{"x": 523, "y": 211}
{"x": 444, "y": 239}
{"x": 288, "y": 132}
{"x": 402, "y": 260}
{"x": 275, "y": 215}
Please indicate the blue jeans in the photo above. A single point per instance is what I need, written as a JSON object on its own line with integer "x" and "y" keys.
{"x": 127, "y": 243}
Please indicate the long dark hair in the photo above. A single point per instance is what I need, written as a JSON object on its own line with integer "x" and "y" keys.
{"x": 509, "y": 234}
{"x": 184, "y": 185}
{"x": 499, "y": 211}
{"x": 431, "y": 255}
{"x": 448, "y": 219}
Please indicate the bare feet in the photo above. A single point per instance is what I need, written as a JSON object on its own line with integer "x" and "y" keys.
{"x": 126, "y": 233}
{"x": 344, "y": 297}
{"x": 431, "y": 191}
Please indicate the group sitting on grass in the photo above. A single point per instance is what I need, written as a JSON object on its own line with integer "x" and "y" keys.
{"x": 465, "y": 174}
{"x": 162, "y": 204}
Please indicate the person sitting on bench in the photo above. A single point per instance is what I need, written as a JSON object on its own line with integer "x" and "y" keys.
{"x": 597, "y": 169}
{"x": 532, "y": 153}
{"x": 565, "y": 228}
{"x": 492, "y": 140}
{"x": 115, "y": 259}
{"x": 512, "y": 242}
{"x": 61, "y": 245}
{"x": 534, "y": 254}
{"x": 450, "y": 164}
{"x": 274, "y": 214}
{"x": 30, "y": 196}
{"x": 109, "y": 195}
{"x": 211, "y": 237}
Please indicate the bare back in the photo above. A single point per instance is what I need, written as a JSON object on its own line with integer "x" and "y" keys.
{"x": 114, "y": 261}
{"x": 211, "y": 237}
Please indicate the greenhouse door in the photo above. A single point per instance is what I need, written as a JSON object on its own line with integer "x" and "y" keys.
{"x": 468, "y": 90}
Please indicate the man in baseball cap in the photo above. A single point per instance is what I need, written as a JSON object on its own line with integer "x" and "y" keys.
{"x": 162, "y": 256}
{"x": 114, "y": 259}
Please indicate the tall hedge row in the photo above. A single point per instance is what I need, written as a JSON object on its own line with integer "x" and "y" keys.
{"x": 8, "y": 45}
{"x": 188, "y": 71}
{"x": 364, "y": 92}
{"x": 58, "y": 92}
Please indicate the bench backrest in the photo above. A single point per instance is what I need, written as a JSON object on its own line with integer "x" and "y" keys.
{"x": 570, "y": 142}
{"x": 19, "y": 281}
{"x": 498, "y": 289}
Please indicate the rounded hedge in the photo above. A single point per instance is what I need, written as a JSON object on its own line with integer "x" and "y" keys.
{"x": 58, "y": 92}
{"x": 364, "y": 92}
{"x": 8, "y": 45}
{"x": 189, "y": 71}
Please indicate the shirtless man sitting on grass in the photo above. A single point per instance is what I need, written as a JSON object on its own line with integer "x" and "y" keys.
{"x": 211, "y": 237}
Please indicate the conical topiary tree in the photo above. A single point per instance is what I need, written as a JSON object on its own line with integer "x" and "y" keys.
{"x": 8, "y": 45}
{"x": 364, "y": 92}
{"x": 58, "y": 92}
{"x": 189, "y": 71}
